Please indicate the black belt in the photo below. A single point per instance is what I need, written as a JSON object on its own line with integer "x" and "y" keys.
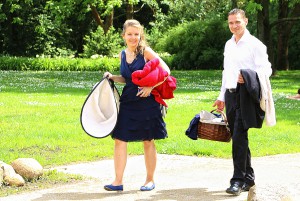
{"x": 232, "y": 90}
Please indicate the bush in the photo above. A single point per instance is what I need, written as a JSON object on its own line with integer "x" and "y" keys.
{"x": 194, "y": 45}
{"x": 99, "y": 43}
{"x": 60, "y": 64}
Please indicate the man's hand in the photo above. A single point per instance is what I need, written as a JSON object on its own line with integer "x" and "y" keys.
{"x": 241, "y": 79}
{"x": 220, "y": 105}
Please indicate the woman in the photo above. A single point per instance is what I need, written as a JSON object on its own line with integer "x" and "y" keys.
{"x": 140, "y": 116}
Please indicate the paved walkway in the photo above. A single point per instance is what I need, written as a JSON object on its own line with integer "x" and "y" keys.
{"x": 178, "y": 178}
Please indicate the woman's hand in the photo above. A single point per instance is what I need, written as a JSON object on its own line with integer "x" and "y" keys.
{"x": 115, "y": 78}
{"x": 108, "y": 75}
{"x": 144, "y": 91}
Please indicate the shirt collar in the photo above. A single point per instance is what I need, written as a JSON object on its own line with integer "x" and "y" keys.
{"x": 244, "y": 38}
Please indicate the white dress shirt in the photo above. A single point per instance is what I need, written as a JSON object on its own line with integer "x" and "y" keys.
{"x": 247, "y": 53}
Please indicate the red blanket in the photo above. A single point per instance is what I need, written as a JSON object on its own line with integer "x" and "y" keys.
{"x": 152, "y": 74}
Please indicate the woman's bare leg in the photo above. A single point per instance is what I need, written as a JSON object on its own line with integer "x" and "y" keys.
{"x": 120, "y": 159}
{"x": 150, "y": 160}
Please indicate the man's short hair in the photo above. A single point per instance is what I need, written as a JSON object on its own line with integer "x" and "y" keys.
{"x": 236, "y": 11}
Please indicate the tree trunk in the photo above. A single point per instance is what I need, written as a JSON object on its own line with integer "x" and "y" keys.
{"x": 284, "y": 28}
{"x": 96, "y": 16}
{"x": 108, "y": 19}
{"x": 234, "y": 4}
{"x": 282, "y": 45}
{"x": 264, "y": 30}
{"x": 129, "y": 10}
{"x": 108, "y": 22}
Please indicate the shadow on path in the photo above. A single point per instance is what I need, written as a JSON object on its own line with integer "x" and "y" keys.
{"x": 188, "y": 194}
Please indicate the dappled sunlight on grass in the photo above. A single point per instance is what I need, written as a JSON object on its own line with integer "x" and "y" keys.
{"x": 44, "y": 81}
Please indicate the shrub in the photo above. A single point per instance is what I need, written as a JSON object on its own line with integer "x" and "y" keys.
{"x": 194, "y": 45}
{"x": 98, "y": 42}
{"x": 59, "y": 64}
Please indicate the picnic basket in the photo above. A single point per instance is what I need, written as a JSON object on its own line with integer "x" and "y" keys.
{"x": 216, "y": 131}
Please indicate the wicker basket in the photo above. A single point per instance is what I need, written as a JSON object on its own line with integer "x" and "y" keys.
{"x": 215, "y": 131}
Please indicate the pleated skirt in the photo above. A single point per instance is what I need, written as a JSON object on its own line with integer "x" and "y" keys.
{"x": 140, "y": 120}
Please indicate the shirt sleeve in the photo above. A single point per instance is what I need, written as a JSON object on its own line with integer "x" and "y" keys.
{"x": 261, "y": 60}
{"x": 221, "y": 96}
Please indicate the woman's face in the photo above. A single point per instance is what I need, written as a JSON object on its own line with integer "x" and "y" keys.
{"x": 132, "y": 36}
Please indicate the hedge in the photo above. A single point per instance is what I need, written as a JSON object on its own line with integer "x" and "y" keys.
{"x": 59, "y": 64}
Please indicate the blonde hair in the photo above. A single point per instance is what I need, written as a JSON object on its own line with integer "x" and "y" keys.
{"x": 142, "y": 43}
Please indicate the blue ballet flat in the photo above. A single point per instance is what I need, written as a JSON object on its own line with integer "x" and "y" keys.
{"x": 147, "y": 187}
{"x": 113, "y": 188}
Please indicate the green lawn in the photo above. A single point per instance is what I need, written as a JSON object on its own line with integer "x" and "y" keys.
{"x": 40, "y": 111}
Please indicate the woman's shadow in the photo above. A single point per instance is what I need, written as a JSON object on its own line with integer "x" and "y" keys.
{"x": 186, "y": 194}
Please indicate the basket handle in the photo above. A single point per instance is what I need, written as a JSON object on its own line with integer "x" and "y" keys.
{"x": 224, "y": 118}
{"x": 223, "y": 115}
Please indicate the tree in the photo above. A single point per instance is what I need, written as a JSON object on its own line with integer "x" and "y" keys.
{"x": 263, "y": 26}
{"x": 17, "y": 26}
{"x": 288, "y": 15}
{"x": 102, "y": 11}
{"x": 91, "y": 14}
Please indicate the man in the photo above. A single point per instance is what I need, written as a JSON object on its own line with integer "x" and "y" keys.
{"x": 242, "y": 52}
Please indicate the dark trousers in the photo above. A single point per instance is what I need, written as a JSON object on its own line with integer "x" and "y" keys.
{"x": 243, "y": 172}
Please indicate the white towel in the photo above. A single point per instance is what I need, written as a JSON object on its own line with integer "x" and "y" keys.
{"x": 267, "y": 102}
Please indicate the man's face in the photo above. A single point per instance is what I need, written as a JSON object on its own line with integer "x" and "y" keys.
{"x": 237, "y": 24}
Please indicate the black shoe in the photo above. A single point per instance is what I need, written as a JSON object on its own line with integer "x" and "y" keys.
{"x": 246, "y": 186}
{"x": 234, "y": 189}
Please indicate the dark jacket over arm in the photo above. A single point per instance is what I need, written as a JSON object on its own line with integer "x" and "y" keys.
{"x": 252, "y": 114}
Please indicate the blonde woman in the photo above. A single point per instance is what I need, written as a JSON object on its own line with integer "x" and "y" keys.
{"x": 140, "y": 116}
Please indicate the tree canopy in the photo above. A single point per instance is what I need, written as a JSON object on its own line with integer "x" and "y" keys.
{"x": 62, "y": 27}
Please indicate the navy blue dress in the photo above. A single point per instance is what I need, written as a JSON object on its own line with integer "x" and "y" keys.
{"x": 139, "y": 118}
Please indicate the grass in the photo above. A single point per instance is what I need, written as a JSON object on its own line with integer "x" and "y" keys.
{"x": 40, "y": 117}
{"x": 49, "y": 179}
{"x": 40, "y": 111}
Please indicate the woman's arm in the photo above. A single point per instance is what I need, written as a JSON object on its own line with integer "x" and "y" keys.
{"x": 115, "y": 78}
{"x": 150, "y": 54}
{"x": 118, "y": 78}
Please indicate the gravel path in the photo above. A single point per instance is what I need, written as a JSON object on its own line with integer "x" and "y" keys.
{"x": 178, "y": 178}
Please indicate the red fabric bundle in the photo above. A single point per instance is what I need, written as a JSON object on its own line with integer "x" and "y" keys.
{"x": 152, "y": 74}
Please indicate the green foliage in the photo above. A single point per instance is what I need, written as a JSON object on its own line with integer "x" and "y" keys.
{"x": 64, "y": 28}
{"x": 65, "y": 8}
{"x": 252, "y": 7}
{"x": 98, "y": 42}
{"x": 194, "y": 45}
{"x": 27, "y": 29}
{"x": 61, "y": 64}
{"x": 51, "y": 38}
{"x": 175, "y": 12}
